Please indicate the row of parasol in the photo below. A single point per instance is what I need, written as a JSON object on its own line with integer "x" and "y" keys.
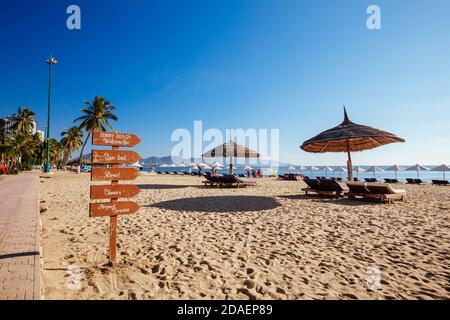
{"x": 358, "y": 169}
{"x": 347, "y": 137}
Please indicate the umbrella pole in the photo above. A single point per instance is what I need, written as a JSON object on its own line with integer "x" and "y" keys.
{"x": 231, "y": 165}
{"x": 349, "y": 164}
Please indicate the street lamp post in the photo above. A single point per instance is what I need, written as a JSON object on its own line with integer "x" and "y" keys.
{"x": 50, "y": 62}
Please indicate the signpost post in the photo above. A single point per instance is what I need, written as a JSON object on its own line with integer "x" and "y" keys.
{"x": 114, "y": 191}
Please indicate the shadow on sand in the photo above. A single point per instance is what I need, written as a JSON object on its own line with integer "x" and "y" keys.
{"x": 161, "y": 186}
{"x": 338, "y": 201}
{"x": 219, "y": 204}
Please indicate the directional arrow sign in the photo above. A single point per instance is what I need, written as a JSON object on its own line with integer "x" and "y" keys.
{"x": 111, "y": 174}
{"x": 114, "y": 156}
{"x": 115, "y": 139}
{"x": 109, "y": 209}
{"x": 114, "y": 191}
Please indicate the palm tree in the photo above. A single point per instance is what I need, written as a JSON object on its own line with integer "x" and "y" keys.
{"x": 56, "y": 151}
{"x": 96, "y": 118}
{"x": 2, "y": 131}
{"x": 23, "y": 121}
{"x": 71, "y": 141}
{"x": 22, "y": 146}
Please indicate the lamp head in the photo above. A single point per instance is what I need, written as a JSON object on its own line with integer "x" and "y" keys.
{"x": 52, "y": 60}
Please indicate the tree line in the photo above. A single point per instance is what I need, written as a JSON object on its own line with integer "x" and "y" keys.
{"x": 20, "y": 146}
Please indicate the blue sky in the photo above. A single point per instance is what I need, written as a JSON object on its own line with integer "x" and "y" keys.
{"x": 287, "y": 65}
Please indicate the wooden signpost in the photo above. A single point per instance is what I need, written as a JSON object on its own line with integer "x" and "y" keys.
{"x": 114, "y": 156}
{"x": 113, "y": 174}
{"x": 114, "y": 191}
{"x": 117, "y": 191}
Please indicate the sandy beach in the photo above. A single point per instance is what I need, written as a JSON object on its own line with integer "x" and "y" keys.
{"x": 263, "y": 242}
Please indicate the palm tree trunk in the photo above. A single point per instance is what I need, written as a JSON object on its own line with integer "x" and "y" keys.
{"x": 82, "y": 148}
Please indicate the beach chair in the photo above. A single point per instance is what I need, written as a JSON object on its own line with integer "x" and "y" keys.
{"x": 418, "y": 181}
{"x": 357, "y": 190}
{"x": 410, "y": 181}
{"x": 211, "y": 180}
{"x": 440, "y": 182}
{"x": 329, "y": 187}
{"x": 313, "y": 185}
{"x": 368, "y": 179}
{"x": 356, "y": 179}
{"x": 388, "y": 180}
{"x": 234, "y": 181}
{"x": 384, "y": 191}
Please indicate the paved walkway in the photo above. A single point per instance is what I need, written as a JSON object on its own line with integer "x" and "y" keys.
{"x": 20, "y": 263}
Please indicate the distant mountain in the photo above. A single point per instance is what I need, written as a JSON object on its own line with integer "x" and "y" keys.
{"x": 86, "y": 157}
{"x": 151, "y": 161}
{"x": 156, "y": 161}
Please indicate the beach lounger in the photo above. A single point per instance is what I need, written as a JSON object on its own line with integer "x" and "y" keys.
{"x": 239, "y": 182}
{"x": 410, "y": 181}
{"x": 227, "y": 180}
{"x": 329, "y": 187}
{"x": 211, "y": 180}
{"x": 440, "y": 182}
{"x": 356, "y": 179}
{"x": 326, "y": 187}
{"x": 388, "y": 180}
{"x": 384, "y": 191}
{"x": 313, "y": 185}
{"x": 357, "y": 190}
{"x": 418, "y": 181}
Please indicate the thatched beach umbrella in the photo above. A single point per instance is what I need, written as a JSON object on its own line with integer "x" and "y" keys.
{"x": 291, "y": 168}
{"x": 395, "y": 168}
{"x": 231, "y": 150}
{"x": 417, "y": 168}
{"x": 349, "y": 137}
{"x": 311, "y": 169}
{"x": 442, "y": 168}
{"x": 326, "y": 169}
{"x": 357, "y": 169}
{"x": 340, "y": 170}
{"x": 374, "y": 169}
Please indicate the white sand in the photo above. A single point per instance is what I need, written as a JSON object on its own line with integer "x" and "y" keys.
{"x": 264, "y": 242}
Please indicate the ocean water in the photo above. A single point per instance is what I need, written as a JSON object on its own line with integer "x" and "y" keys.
{"x": 401, "y": 175}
